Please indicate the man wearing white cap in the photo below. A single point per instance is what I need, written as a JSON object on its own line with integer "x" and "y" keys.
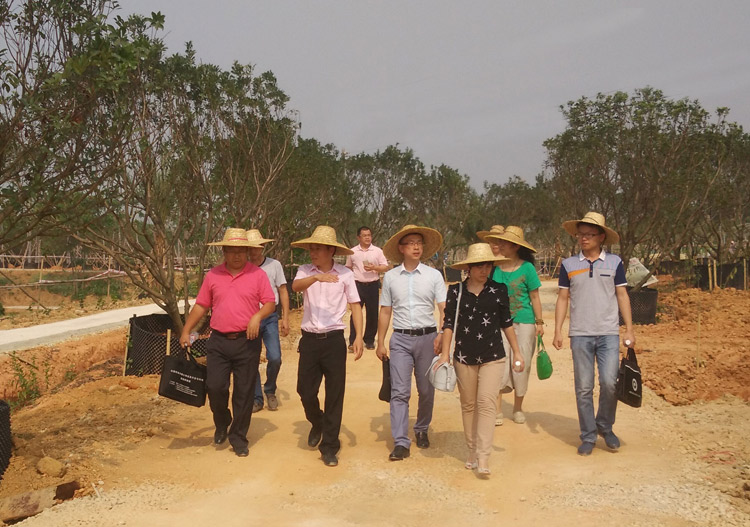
{"x": 327, "y": 289}
{"x": 239, "y": 296}
{"x": 594, "y": 282}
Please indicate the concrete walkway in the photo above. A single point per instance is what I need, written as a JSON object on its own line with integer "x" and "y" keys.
{"x": 45, "y": 334}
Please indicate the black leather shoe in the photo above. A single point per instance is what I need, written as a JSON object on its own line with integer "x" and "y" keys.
{"x": 330, "y": 460}
{"x": 241, "y": 452}
{"x": 313, "y": 439}
{"x": 399, "y": 453}
{"x": 422, "y": 440}
{"x": 220, "y": 435}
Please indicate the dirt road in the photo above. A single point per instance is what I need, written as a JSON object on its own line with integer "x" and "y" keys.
{"x": 668, "y": 472}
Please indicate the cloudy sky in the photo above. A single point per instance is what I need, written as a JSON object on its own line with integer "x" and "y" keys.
{"x": 476, "y": 85}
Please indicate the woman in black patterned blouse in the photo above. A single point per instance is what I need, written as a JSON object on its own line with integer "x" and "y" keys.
{"x": 479, "y": 356}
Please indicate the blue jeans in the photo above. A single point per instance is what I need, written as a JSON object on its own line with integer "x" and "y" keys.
{"x": 410, "y": 356}
{"x": 605, "y": 350}
{"x": 269, "y": 331}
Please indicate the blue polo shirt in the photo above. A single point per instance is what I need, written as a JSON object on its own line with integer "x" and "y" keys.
{"x": 593, "y": 301}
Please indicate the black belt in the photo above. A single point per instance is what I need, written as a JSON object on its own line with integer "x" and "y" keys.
{"x": 323, "y": 335}
{"x": 230, "y": 336}
{"x": 416, "y": 332}
{"x": 368, "y": 283}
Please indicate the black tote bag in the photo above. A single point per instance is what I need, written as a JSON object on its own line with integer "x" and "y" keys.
{"x": 629, "y": 383}
{"x": 183, "y": 379}
{"x": 385, "y": 387}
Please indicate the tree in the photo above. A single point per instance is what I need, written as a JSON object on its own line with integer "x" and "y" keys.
{"x": 646, "y": 162}
{"x": 312, "y": 190}
{"x": 450, "y": 205}
{"x": 386, "y": 189}
{"x": 530, "y": 207}
{"x": 723, "y": 227}
{"x": 205, "y": 149}
{"x": 58, "y": 76}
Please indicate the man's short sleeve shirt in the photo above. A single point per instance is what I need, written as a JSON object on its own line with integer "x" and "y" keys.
{"x": 275, "y": 275}
{"x": 233, "y": 300}
{"x": 356, "y": 262}
{"x": 325, "y": 303}
{"x": 413, "y": 295}
{"x": 593, "y": 301}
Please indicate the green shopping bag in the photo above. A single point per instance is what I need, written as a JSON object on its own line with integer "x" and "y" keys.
{"x": 543, "y": 362}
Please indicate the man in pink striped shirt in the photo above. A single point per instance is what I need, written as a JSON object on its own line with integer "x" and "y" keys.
{"x": 233, "y": 291}
{"x": 328, "y": 287}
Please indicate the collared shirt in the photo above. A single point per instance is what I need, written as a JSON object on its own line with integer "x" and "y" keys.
{"x": 593, "y": 300}
{"x": 234, "y": 299}
{"x": 275, "y": 275}
{"x": 481, "y": 318}
{"x": 324, "y": 302}
{"x": 413, "y": 295}
{"x": 356, "y": 262}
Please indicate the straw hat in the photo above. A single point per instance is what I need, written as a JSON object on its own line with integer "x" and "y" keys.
{"x": 512, "y": 234}
{"x": 592, "y": 218}
{"x": 324, "y": 235}
{"x": 432, "y": 242}
{"x": 256, "y": 239}
{"x": 495, "y": 229}
{"x": 233, "y": 237}
{"x": 478, "y": 253}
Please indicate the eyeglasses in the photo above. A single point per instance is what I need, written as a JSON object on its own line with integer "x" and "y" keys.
{"x": 587, "y": 235}
{"x": 412, "y": 244}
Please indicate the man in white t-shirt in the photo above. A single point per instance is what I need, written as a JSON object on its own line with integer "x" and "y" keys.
{"x": 269, "y": 328}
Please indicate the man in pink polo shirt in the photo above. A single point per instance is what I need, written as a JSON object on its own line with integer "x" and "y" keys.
{"x": 328, "y": 287}
{"x": 233, "y": 291}
{"x": 367, "y": 262}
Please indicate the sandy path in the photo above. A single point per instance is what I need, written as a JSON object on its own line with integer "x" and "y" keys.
{"x": 180, "y": 478}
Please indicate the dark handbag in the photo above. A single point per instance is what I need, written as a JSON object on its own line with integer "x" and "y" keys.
{"x": 183, "y": 379}
{"x": 385, "y": 388}
{"x": 629, "y": 387}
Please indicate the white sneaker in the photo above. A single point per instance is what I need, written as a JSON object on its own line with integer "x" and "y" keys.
{"x": 519, "y": 418}
{"x": 499, "y": 419}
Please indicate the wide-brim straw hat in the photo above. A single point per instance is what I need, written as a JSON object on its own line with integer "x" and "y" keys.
{"x": 233, "y": 237}
{"x": 256, "y": 239}
{"x": 511, "y": 234}
{"x": 495, "y": 229}
{"x": 432, "y": 242}
{"x": 592, "y": 218}
{"x": 323, "y": 235}
{"x": 478, "y": 253}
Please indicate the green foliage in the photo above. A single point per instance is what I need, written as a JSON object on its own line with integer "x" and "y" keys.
{"x": 648, "y": 163}
{"x": 79, "y": 291}
{"x": 26, "y": 380}
{"x": 58, "y": 123}
{"x": 110, "y": 143}
{"x": 70, "y": 374}
{"x": 2, "y": 310}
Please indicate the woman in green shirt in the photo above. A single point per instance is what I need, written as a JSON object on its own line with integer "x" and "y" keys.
{"x": 518, "y": 273}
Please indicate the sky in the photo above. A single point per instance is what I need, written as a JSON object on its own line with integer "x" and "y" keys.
{"x": 476, "y": 85}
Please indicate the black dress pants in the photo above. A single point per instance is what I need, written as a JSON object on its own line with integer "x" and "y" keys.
{"x": 368, "y": 297}
{"x": 320, "y": 358}
{"x": 238, "y": 358}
